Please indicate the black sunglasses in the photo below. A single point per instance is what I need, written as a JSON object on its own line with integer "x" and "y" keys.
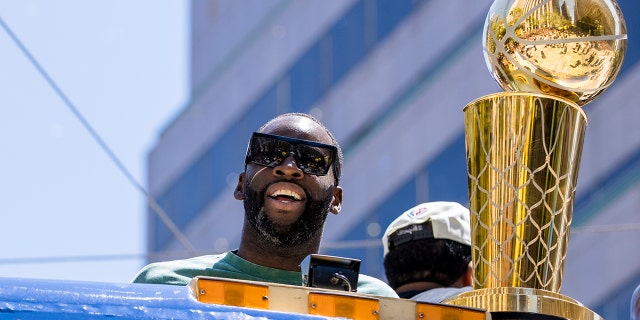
{"x": 270, "y": 150}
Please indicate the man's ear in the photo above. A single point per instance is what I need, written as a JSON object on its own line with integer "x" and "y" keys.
{"x": 468, "y": 275}
{"x": 336, "y": 202}
{"x": 238, "y": 193}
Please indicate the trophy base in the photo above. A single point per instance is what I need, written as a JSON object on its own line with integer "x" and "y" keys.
{"x": 515, "y": 303}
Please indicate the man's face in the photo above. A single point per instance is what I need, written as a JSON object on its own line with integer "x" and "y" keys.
{"x": 281, "y": 228}
{"x": 283, "y": 204}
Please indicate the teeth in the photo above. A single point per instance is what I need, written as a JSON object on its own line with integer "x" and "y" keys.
{"x": 288, "y": 193}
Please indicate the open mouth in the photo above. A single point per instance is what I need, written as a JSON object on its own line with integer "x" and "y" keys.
{"x": 285, "y": 195}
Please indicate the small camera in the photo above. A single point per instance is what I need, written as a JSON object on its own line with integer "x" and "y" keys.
{"x": 329, "y": 272}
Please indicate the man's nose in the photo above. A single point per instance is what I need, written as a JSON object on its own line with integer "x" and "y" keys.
{"x": 288, "y": 167}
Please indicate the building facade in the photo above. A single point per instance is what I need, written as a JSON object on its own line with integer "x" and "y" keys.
{"x": 390, "y": 78}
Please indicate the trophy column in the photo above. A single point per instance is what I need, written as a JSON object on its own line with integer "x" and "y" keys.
{"x": 523, "y": 156}
{"x": 524, "y": 148}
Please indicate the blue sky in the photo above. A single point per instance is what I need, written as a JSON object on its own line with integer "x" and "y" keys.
{"x": 124, "y": 66}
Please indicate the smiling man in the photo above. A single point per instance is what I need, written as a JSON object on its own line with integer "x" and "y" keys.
{"x": 289, "y": 186}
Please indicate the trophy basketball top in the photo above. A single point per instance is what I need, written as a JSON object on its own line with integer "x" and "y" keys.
{"x": 565, "y": 48}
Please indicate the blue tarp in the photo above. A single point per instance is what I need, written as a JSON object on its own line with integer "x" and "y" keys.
{"x": 60, "y": 299}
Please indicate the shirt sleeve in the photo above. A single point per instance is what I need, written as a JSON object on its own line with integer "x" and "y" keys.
{"x": 157, "y": 273}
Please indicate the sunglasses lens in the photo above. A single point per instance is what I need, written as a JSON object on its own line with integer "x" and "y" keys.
{"x": 270, "y": 151}
{"x": 313, "y": 160}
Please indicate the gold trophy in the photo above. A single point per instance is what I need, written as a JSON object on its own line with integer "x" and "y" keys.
{"x": 524, "y": 148}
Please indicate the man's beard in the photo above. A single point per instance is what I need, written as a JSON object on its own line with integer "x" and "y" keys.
{"x": 311, "y": 221}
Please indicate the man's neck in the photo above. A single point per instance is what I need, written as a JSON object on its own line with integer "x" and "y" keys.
{"x": 271, "y": 259}
{"x": 417, "y": 286}
{"x": 427, "y": 285}
{"x": 261, "y": 252}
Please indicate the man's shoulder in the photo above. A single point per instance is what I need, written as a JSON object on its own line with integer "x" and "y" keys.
{"x": 374, "y": 286}
{"x": 177, "y": 272}
{"x": 438, "y": 295}
{"x": 189, "y": 263}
